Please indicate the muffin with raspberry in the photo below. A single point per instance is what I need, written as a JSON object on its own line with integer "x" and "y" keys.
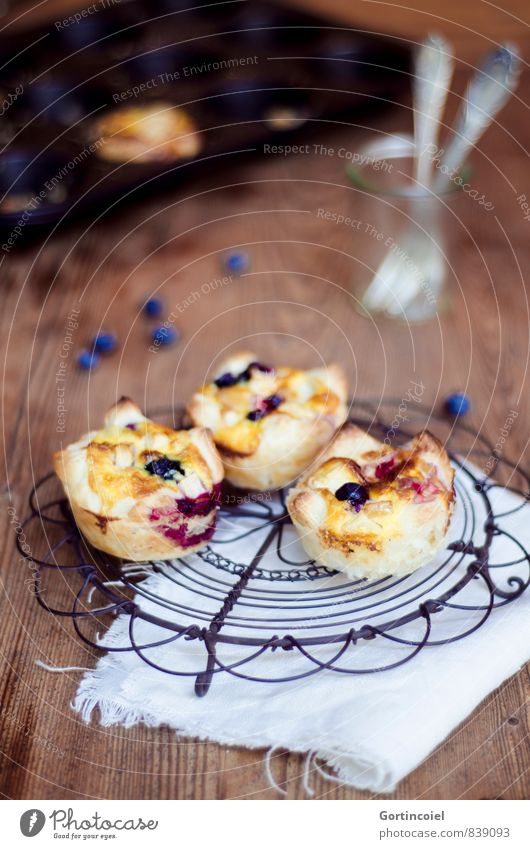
{"x": 140, "y": 490}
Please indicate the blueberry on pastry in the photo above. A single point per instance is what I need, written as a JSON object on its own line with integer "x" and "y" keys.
{"x": 269, "y": 424}
{"x": 142, "y": 491}
{"x": 373, "y": 511}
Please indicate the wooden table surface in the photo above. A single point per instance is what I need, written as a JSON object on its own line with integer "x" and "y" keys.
{"x": 294, "y": 305}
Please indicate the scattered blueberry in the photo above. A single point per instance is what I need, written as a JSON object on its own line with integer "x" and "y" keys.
{"x": 153, "y": 308}
{"x": 87, "y": 360}
{"x": 104, "y": 342}
{"x": 236, "y": 262}
{"x": 457, "y": 404}
{"x": 355, "y": 493}
{"x": 163, "y": 335}
{"x": 164, "y": 468}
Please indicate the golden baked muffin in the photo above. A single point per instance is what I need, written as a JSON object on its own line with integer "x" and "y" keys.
{"x": 373, "y": 511}
{"x": 142, "y": 491}
{"x": 268, "y": 423}
{"x": 156, "y": 132}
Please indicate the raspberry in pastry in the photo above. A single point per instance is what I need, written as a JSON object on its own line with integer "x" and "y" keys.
{"x": 142, "y": 491}
{"x": 269, "y": 424}
{"x": 373, "y": 511}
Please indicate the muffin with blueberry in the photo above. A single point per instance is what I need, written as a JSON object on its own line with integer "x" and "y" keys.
{"x": 142, "y": 491}
{"x": 373, "y": 511}
{"x": 269, "y": 424}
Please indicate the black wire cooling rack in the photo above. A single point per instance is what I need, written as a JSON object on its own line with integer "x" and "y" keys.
{"x": 251, "y": 596}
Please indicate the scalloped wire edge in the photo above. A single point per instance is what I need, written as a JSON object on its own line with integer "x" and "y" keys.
{"x": 479, "y": 568}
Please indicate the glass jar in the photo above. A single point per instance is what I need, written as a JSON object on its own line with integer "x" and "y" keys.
{"x": 404, "y": 233}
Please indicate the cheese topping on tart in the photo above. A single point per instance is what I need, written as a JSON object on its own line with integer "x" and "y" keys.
{"x": 132, "y": 462}
{"x": 237, "y": 403}
{"x": 372, "y": 504}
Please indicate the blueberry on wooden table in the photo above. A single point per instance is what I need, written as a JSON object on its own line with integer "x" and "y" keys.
{"x": 87, "y": 360}
{"x": 153, "y": 308}
{"x": 163, "y": 336}
{"x": 104, "y": 342}
{"x": 236, "y": 262}
{"x": 457, "y": 404}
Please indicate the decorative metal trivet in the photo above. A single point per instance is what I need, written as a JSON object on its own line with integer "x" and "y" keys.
{"x": 252, "y": 592}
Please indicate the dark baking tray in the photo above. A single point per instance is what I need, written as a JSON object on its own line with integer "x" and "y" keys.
{"x": 247, "y": 58}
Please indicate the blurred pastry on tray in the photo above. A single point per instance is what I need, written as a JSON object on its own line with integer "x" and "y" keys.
{"x": 154, "y": 132}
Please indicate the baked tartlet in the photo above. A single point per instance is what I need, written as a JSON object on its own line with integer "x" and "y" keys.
{"x": 373, "y": 511}
{"x": 269, "y": 424}
{"x": 155, "y": 132}
{"x": 142, "y": 491}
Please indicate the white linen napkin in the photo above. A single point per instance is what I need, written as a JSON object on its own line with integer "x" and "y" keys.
{"x": 372, "y": 729}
